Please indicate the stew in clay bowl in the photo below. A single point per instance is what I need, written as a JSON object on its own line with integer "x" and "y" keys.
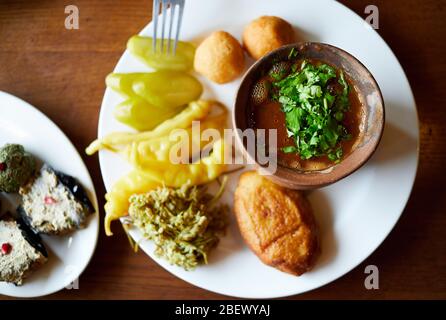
{"x": 325, "y": 106}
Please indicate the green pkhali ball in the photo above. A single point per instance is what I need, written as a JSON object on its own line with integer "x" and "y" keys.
{"x": 16, "y": 167}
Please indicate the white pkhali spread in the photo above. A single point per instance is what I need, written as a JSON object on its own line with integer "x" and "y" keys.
{"x": 50, "y": 206}
{"x": 15, "y": 264}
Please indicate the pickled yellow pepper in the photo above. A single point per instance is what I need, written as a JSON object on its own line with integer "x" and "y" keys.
{"x": 195, "y": 110}
{"x": 148, "y": 152}
{"x": 160, "y": 148}
{"x": 117, "y": 200}
{"x": 183, "y": 59}
{"x": 148, "y": 176}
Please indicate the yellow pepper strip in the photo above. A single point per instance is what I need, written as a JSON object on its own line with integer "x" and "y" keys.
{"x": 118, "y": 198}
{"x": 175, "y": 175}
{"x": 195, "y": 110}
{"x": 159, "y": 148}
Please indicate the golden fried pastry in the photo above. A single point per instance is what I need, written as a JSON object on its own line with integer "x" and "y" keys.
{"x": 276, "y": 223}
{"x": 220, "y": 57}
{"x": 265, "y": 34}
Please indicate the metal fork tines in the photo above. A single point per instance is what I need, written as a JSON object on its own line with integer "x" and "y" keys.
{"x": 171, "y": 6}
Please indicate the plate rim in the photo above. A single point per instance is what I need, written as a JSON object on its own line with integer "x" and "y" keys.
{"x": 95, "y": 216}
{"x": 356, "y": 16}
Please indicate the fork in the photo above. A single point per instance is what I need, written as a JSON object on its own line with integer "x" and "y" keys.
{"x": 167, "y": 5}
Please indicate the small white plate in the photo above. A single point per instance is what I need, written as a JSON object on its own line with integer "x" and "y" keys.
{"x": 68, "y": 255}
{"x": 356, "y": 214}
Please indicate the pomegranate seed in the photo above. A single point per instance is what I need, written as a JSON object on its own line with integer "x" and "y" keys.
{"x": 6, "y": 248}
{"x": 50, "y": 200}
{"x": 2, "y": 166}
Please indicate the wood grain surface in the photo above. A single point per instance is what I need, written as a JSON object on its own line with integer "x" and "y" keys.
{"x": 62, "y": 73}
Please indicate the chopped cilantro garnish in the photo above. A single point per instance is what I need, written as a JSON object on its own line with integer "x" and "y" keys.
{"x": 289, "y": 149}
{"x": 277, "y": 75}
{"x": 313, "y": 113}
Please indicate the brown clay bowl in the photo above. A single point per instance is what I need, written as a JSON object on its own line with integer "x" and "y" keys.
{"x": 372, "y": 112}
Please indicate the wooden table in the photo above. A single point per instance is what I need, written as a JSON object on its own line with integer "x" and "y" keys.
{"x": 62, "y": 73}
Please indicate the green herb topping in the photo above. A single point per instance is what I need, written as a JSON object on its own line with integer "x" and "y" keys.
{"x": 314, "y": 100}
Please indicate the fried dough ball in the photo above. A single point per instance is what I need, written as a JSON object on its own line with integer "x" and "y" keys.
{"x": 277, "y": 223}
{"x": 219, "y": 57}
{"x": 265, "y": 34}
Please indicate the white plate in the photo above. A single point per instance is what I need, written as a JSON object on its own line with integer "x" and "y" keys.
{"x": 68, "y": 255}
{"x": 356, "y": 214}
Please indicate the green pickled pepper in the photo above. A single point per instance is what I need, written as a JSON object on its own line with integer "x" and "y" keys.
{"x": 141, "y": 115}
{"x": 142, "y": 48}
{"x": 152, "y": 97}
